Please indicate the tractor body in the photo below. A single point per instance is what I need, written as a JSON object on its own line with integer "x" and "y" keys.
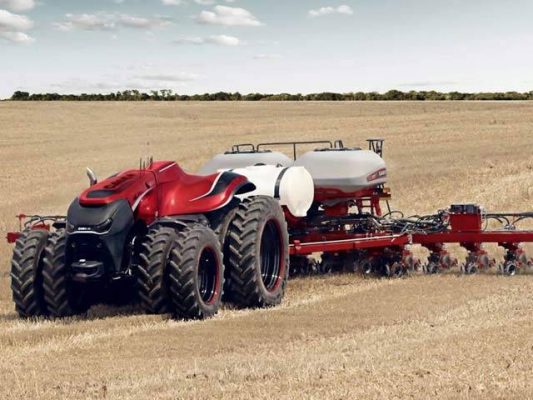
{"x": 155, "y": 235}
{"x": 104, "y": 222}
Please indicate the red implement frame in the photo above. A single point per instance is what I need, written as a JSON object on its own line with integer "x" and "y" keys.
{"x": 465, "y": 228}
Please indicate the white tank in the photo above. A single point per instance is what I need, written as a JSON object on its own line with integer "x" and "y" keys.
{"x": 245, "y": 159}
{"x": 293, "y": 186}
{"x": 346, "y": 170}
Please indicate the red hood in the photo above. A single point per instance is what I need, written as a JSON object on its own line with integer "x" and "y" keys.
{"x": 164, "y": 189}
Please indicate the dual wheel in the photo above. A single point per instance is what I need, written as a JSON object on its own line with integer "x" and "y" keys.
{"x": 181, "y": 272}
{"x": 40, "y": 278}
{"x": 186, "y": 271}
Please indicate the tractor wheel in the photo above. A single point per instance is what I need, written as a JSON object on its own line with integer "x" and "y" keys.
{"x": 153, "y": 261}
{"x": 196, "y": 273}
{"x": 221, "y": 228}
{"x": 63, "y": 297}
{"x": 258, "y": 253}
{"x": 26, "y": 273}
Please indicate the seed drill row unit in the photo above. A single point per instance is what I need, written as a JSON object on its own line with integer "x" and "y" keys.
{"x": 181, "y": 244}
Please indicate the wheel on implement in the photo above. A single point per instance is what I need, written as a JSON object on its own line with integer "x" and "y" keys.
{"x": 470, "y": 268}
{"x": 330, "y": 263}
{"x": 196, "y": 273}
{"x": 26, "y": 273}
{"x": 62, "y": 296}
{"x": 258, "y": 253}
{"x": 431, "y": 268}
{"x": 509, "y": 268}
{"x": 398, "y": 270}
{"x": 302, "y": 266}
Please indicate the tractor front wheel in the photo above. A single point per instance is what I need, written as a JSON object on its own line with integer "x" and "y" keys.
{"x": 151, "y": 272}
{"x": 63, "y": 297}
{"x": 196, "y": 273}
{"x": 26, "y": 273}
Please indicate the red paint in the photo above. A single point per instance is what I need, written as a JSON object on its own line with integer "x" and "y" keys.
{"x": 465, "y": 222}
{"x": 12, "y": 237}
{"x": 354, "y": 243}
{"x": 166, "y": 189}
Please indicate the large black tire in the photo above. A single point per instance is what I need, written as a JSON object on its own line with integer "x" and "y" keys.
{"x": 62, "y": 296}
{"x": 221, "y": 228}
{"x": 151, "y": 271}
{"x": 258, "y": 253}
{"x": 196, "y": 273}
{"x": 26, "y": 273}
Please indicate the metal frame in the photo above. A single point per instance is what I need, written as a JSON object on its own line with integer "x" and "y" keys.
{"x": 295, "y": 144}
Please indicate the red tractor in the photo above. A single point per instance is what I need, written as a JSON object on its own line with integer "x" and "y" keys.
{"x": 160, "y": 231}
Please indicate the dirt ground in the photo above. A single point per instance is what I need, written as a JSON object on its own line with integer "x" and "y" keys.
{"x": 334, "y": 337}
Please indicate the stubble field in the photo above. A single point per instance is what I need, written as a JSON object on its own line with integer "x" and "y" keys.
{"x": 334, "y": 337}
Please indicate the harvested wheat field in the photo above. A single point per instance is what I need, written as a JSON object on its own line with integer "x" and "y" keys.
{"x": 334, "y": 337}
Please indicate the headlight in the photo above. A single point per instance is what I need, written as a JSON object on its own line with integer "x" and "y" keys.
{"x": 70, "y": 227}
{"x": 104, "y": 226}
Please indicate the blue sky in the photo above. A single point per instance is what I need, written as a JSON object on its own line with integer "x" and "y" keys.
{"x": 196, "y": 46}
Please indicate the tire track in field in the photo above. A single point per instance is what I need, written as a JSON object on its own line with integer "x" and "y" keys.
{"x": 58, "y": 338}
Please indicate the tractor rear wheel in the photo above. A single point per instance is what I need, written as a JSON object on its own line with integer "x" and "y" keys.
{"x": 151, "y": 272}
{"x": 221, "y": 227}
{"x": 258, "y": 253}
{"x": 62, "y": 296}
{"x": 196, "y": 273}
{"x": 26, "y": 273}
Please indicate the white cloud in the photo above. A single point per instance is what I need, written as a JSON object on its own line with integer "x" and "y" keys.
{"x": 87, "y": 22}
{"x": 190, "y": 40}
{"x": 228, "y": 16}
{"x": 17, "y": 37}
{"x": 174, "y": 77}
{"x": 210, "y": 2}
{"x": 343, "y": 9}
{"x": 183, "y": 2}
{"x": 12, "y": 27}
{"x": 172, "y": 2}
{"x": 224, "y": 40}
{"x": 221, "y": 40}
{"x": 131, "y": 21}
{"x": 18, "y": 5}
{"x": 115, "y": 82}
{"x": 14, "y": 22}
{"x": 108, "y": 22}
{"x": 267, "y": 56}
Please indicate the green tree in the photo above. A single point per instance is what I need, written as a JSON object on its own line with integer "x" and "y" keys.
{"x": 20, "y": 96}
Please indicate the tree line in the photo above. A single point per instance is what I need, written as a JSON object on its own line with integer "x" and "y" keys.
{"x": 169, "y": 95}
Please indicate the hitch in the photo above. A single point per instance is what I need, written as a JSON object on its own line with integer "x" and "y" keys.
{"x": 35, "y": 222}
